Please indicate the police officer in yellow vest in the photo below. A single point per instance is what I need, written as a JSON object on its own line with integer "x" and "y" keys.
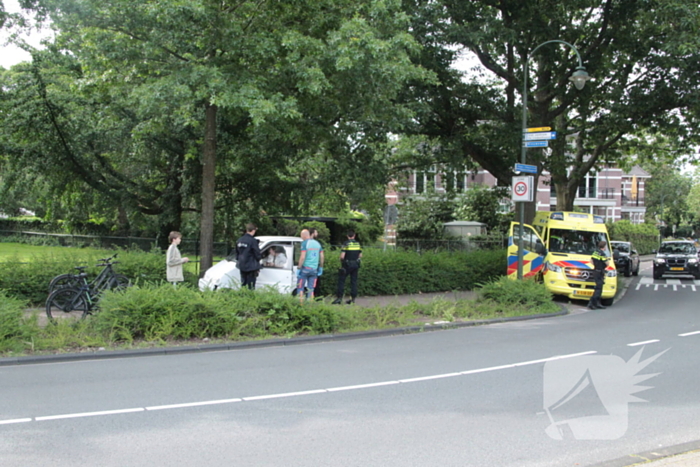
{"x": 600, "y": 262}
{"x": 350, "y": 255}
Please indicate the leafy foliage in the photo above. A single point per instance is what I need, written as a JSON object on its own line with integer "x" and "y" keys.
{"x": 155, "y": 315}
{"x": 507, "y": 293}
{"x": 645, "y": 237}
{"x": 645, "y": 94}
{"x": 401, "y": 272}
{"x": 422, "y": 216}
{"x": 482, "y": 204}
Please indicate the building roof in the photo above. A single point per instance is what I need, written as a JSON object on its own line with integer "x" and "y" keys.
{"x": 638, "y": 171}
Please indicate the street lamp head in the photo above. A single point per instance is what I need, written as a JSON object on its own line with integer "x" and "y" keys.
{"x": 579, "y": 77}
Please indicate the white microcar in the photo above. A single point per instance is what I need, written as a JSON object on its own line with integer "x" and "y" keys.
{"x": 279, "y": 270}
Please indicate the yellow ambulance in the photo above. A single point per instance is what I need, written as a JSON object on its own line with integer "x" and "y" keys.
{"x": 564, "y": 264}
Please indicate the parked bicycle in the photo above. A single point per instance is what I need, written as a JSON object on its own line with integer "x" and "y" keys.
{"x": 107, "y": 279}
{"x": 71, "y": 303}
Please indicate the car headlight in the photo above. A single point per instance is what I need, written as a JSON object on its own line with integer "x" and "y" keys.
{"x": 659, "y": 260}
{"x": 553, "y": 268}
{"x": 611, "y": 273}
{"x": 692, "y": 260}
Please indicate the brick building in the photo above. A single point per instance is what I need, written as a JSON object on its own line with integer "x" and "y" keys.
{"x": 611, "y": 192}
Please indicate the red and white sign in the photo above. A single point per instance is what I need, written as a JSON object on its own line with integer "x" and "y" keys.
{"x": 522, "y": 189}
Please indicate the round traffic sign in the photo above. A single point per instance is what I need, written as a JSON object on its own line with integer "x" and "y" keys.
{"x": 520, "y": 188}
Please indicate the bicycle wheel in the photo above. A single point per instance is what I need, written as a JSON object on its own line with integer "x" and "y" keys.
{"x": 62, "y": 281}
{"x": 119, "y": 282}
{"x": 67, "y": 305}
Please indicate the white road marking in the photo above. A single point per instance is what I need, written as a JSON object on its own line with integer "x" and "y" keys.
{"x": 16, "y": 420}
{"x": 285, "y": 394}
{"x": 646, "y": 280}
{"x": 673, "y": 281}
{"x": 362, "y": 386}
{"x": 90, "y": 414}
{"x": 427, "y": 378}
{"x": 689, "y": 334}
{"x": 643, "y": 343}
{"x": 656, "y": 287}
{"x": 193, "y": 404}
{"x": 290, "y": 394}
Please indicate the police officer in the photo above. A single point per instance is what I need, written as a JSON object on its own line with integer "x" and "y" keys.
{"x": 248, "y": 257}
{"x": 350, "y": 255}
{"x": 600, "y": 262}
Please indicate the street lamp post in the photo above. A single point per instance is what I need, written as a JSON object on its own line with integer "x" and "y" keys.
{"x": 579, "y": 78}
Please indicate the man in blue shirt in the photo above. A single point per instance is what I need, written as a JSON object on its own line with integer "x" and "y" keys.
{"x": 310, "y": 265}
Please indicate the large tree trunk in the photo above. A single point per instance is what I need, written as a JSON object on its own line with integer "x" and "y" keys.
{"x": 566, "y": 194}
{"x": 206, "y": 248}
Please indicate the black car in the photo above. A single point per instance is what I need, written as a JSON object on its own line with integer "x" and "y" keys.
{"x": 626, "y": 258}
{"x": 677, "y": 257}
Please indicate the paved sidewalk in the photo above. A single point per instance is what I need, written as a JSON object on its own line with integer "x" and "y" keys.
{"x": 689, "y": 459}
{"x": 400, "y": 300}
{"x": 683, "y": 455}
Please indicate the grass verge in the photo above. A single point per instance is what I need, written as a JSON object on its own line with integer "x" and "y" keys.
{"x": 158, "y": 315}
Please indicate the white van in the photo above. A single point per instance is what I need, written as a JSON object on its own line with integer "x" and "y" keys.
{"x": 279, "y": 270}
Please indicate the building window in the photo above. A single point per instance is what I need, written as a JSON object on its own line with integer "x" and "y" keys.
{"x": 454, "y": 182}
{"x": 420, "y": 182}
{"x": 588, "y": 188}
{"x": 425, "y": 180}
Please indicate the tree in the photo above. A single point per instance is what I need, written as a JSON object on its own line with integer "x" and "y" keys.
{"x": 483, "y": 204}
{"x": 423, "y": 216}
{"x": 90, "y": 146}
{"x": 643, "y": 55}
{"x": 286, "y": 81}
{"x": 666, "y": 195}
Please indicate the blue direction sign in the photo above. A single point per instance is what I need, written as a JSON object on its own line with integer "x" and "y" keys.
{"x": 527, "y": 169}
{"x": 535, "y": 144}
{"x": 544, "y": 135}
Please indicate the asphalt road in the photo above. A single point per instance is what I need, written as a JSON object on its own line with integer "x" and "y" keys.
{"x": 463, "y": 397}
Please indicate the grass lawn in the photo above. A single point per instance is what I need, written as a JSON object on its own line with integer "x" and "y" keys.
{"x": 23, "y": 252}
{"x": 27, "y": 253}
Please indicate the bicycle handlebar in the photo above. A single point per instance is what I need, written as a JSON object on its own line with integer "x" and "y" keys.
{"x": 109, "y": 264}
{"x": 107, "y": 260}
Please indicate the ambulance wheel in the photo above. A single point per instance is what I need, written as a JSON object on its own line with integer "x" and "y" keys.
{"x": 606, "y": 301}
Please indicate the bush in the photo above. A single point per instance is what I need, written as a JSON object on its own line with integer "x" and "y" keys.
{"x": 159, "y": 312}
{"x": 645, "y": 237}
{"x": 30, "y": 280}
{"x": 11, "y": 331}
{"x": 508, "y": 293}
{"x": 400, "y": 272}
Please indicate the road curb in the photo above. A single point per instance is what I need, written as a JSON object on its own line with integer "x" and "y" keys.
{"x": 649, "y": 457}
{"x": 110, "y": 354}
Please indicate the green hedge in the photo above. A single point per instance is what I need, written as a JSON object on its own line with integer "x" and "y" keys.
{"x": 400, "y": 272}
{"x": 644, "y": 237}
{"x": 29, "y": 279}
{"x": 382, "y": 272}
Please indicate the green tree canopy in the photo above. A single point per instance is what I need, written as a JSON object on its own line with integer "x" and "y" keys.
{"x": 643, "y": 56}
{"x": 254, "y": 96}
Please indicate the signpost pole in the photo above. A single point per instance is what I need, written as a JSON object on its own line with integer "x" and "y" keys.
{"x": 579, "y": 78}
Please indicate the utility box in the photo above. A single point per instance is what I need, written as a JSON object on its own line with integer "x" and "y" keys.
{"x": 464, "y": 229}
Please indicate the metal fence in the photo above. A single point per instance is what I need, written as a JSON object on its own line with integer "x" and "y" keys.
{"x": 462, "y": 244}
